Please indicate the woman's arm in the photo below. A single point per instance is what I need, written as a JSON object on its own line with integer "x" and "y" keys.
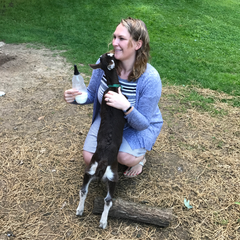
{"x": 149, "y": 95}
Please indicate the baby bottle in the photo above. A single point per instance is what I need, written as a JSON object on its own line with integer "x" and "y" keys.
{"x": 78, "y": 84}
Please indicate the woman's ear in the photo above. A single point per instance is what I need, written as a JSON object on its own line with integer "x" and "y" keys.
{"x": 139, "y": 45}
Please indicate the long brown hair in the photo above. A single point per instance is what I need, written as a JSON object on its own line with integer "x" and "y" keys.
{"x": 138, "y": 31}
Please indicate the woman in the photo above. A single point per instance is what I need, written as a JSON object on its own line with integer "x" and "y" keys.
{"x": 141, "y": 84}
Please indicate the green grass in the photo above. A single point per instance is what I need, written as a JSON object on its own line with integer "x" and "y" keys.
{"x": 192, "y": 41}
{"x": 191, "y": 99}
{"x": 195, "y": 100}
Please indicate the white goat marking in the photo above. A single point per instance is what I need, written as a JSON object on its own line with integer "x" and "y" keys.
{"x": 110, "y": 54}
{"x": 111, "y": 66}
{"x": 108, "y": 174}
{"x": 93, "y": 168}
{"x": 104, "y": 217}
{"x": 83, "y": 196}
{"x": 80, "y": 207}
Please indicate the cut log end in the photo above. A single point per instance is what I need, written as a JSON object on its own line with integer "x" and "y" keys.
{"x": 135, "y": 211}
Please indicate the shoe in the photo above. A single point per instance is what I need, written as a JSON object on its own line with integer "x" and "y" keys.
{"x": 142, "y": 163}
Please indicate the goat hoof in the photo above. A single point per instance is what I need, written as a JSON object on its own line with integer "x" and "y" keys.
{"x": 79, "y": 212}
{"x": 103, "y": 225}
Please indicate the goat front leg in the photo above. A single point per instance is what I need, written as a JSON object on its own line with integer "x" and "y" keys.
{"x": 107, "y": 204}
{"x": 83, "y": 193}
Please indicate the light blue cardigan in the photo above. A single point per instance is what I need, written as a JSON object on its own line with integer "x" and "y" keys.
{"x": 144, "y": 123}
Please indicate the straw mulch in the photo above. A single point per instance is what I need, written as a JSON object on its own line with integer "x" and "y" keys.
{"x": 195, "y": 157}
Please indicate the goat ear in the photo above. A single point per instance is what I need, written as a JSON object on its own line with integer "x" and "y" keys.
{"x": 95, "y": 66}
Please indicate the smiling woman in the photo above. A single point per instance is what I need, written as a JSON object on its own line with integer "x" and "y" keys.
{"x": 125, "y": 50}
{"x": 141, "y": 84}
{"x": 131, "y": 34}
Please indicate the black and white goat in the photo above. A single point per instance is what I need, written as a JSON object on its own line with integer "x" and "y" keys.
{"x": 104, "y": 164}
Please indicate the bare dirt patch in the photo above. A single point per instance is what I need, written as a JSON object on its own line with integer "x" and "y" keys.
{"x": 195, "y": 157}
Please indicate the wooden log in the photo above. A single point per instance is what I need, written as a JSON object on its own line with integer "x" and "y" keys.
{"x": 135, "y": 211}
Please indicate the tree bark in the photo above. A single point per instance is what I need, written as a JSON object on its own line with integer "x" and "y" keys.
{"x": 135, "y": 211}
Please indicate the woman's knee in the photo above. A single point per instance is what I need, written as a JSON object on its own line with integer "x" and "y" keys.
{"x": 128, "y": 159}
{"x": 125, "y": 158}
{"x": 87, "y": 156}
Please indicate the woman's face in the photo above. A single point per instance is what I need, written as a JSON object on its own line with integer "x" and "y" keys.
{"x": 124, "y": 47}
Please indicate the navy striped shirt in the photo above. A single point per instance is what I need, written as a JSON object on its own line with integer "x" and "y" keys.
{"x": 128, "y": 89}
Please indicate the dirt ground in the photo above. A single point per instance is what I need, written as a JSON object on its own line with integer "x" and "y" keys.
{"x": 196, "y": 157}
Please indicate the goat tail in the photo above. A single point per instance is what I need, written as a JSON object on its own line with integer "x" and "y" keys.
{"x": 101, "y": 169}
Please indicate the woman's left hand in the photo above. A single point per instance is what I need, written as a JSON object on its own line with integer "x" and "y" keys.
{"x": 117, "y": 100}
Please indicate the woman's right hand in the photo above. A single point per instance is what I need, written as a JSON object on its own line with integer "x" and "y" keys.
{"x": 70, "y": 94}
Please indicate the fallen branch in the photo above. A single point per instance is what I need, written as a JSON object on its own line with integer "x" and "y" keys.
{"x": 135, "y": 211}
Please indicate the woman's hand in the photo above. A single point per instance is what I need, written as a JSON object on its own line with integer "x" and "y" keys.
{"x": 70, "y": 94}
{"x": 117, "y": 100}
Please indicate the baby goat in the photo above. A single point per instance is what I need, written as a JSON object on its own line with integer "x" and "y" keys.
{"x": 104, "y": 164}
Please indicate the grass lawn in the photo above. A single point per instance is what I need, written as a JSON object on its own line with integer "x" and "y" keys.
{"x": 192, "y": 41}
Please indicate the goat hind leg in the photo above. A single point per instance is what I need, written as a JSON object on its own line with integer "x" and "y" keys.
{"x": 83, "y": 193}
{"x": 107, "y": 204}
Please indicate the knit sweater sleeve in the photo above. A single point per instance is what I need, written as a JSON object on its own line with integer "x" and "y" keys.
{"x": 148, "y": 95}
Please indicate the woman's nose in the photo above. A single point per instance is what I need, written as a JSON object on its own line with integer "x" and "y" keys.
{"x": 114, "y": 42}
